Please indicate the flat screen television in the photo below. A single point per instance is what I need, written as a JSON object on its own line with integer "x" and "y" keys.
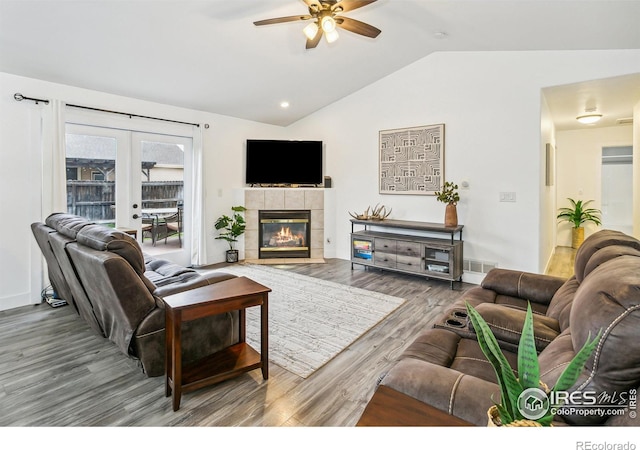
{"x": 284, "y": 162}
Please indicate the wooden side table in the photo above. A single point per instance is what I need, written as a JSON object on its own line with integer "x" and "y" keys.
{"x": 130, "y": 231}
{"x": 229, "y": 295}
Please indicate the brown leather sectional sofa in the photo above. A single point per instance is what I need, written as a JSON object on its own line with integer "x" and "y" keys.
{"x": 445, "y": 368}
{"x": 118, "y": 291}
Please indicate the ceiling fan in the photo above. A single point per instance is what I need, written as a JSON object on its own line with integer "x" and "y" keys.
{"x": 326, "y": 18}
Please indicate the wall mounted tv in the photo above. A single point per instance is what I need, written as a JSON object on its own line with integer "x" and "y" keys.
{"x": 275, "y": 162}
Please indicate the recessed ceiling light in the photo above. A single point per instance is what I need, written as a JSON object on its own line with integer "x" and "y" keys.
{"x": 284, "y": 104}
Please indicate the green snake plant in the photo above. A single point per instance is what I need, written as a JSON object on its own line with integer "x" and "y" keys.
{"x": 528, "y": 368}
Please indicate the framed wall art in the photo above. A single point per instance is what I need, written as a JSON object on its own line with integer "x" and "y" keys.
{"x": 412, "y": 160}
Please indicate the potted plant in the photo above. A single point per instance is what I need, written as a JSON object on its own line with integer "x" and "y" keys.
{"x": 510, "y": 411}
{"x": 578, "y": 214}
{"x": 232, "y": 228}
{"x": 449, "y": 195}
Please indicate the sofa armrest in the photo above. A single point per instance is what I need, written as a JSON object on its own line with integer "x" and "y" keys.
{"x": 534, "y": 287}
{"x": 448, "y": 390}
{"x": 506, "y": 324}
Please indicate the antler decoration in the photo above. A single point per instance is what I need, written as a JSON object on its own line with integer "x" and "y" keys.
{"x": 379, "y": 212}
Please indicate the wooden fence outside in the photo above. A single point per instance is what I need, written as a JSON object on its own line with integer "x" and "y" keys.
{"x": 95, "y": 200}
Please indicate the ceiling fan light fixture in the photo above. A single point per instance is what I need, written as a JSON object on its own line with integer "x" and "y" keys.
{"x": 331, "y": 36}
{"x": 589, "y": 118}
{"x": 311, "y": 30}
{"x": 328, "y": 24}
{"x": 325, "y": 18}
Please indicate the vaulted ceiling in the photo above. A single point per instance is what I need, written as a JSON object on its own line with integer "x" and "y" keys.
{"x": 208, "y": 55}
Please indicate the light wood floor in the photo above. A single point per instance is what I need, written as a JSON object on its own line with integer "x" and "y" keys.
{"x": 561, "y": 264}
{"x": 54, "y": 371}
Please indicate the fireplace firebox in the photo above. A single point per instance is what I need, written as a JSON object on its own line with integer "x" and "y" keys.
{"x": 284, "y": 234}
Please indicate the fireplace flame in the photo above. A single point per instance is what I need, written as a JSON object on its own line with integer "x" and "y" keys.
{"x": 285, "y": 233}
{"x": 285, "y": 237}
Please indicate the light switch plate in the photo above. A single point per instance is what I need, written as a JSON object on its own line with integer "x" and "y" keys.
{"x": 507, "y": 196}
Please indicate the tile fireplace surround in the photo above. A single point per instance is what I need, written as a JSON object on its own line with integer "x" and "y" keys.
{"x": 256, "y": 199}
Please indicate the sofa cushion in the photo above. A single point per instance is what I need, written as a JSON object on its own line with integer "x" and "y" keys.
{"x": 67, "y": 224}
{"x": 507, "y": 323}
{"x": 161, "y": 272}
{"x": 560, "y": 305}
{"x": 595, "y": 242}
{"x": 99, "y": 237}
{"x": 479, "y": 295}
{"x": 608, "y": 253}
{"x": 446, "y": 348}
{"x": 522, "y": 285}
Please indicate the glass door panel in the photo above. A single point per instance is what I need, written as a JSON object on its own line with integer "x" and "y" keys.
{"x": 162, "y": 191}
{"x": 164, "y": 194}
{"x": 91, "y": 172}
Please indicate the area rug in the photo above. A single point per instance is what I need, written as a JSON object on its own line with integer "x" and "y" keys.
{"x": 311, "y": 320}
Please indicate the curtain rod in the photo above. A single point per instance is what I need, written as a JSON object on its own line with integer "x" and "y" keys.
{"x": 19, "y": 97}
{"x": 133, "y": 115}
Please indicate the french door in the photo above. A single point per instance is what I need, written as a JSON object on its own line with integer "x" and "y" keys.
{"x": 135, "y": 181}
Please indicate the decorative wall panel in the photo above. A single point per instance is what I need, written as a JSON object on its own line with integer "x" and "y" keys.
{"x": 412, "y": 160}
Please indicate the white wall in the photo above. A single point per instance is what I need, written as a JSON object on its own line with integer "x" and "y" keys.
{"x": 490, "y": 103}
{"x": 21, "y": 171}
{"x": 579, "y": 157}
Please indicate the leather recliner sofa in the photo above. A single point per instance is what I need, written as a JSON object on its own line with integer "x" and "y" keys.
{"x": 445, "y": 368}
{"x": 119, "y": 291}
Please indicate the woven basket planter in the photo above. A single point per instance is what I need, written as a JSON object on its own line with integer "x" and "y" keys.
{"x": 494, "y": 420}
{"x": 577, "y": 237}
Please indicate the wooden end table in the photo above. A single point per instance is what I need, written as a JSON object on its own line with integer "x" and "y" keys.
{"x": 229, "y": 295}
{"x": 391, "y": 408}
{"x": 130, "y": 231}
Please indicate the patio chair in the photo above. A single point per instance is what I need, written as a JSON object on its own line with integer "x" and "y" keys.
{"x": 150, "y": 227}
{"x": 173, "y": 225}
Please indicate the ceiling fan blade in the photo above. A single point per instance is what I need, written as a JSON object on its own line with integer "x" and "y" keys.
{"x": 313, "y": 43}
{"x": 313, "y": 4}
{"x": 283, "y": 19}
{"x": 350, "y": 5}
{"x": 355, "y": 26}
